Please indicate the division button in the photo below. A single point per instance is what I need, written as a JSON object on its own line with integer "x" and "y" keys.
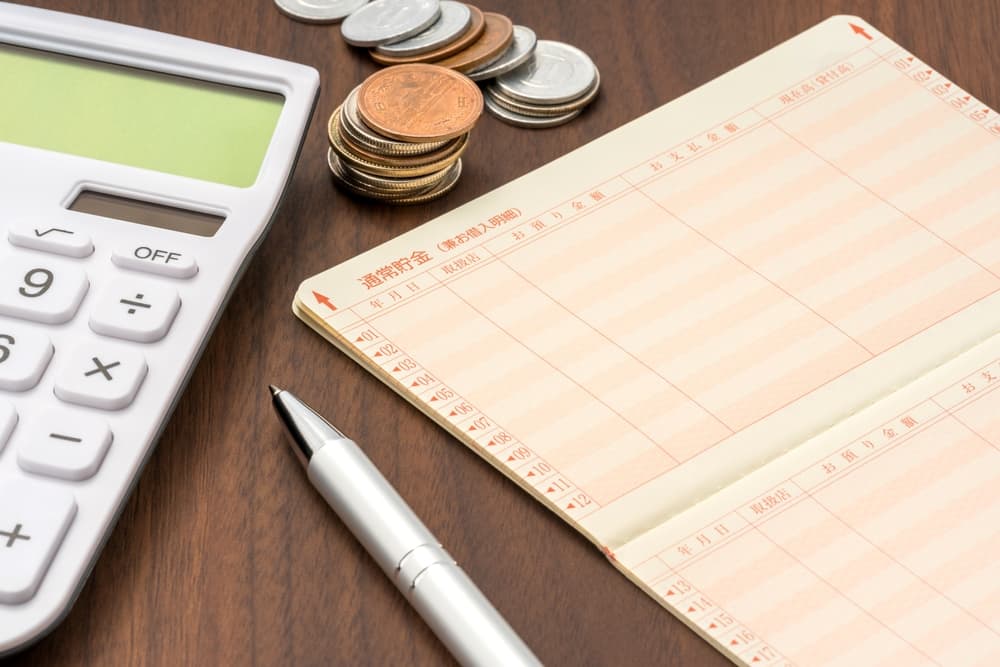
{"x": 134, "y": 310}
{"x": 64, "y": 445}
{"x": 161, "y": 261}
{"x": 101, "y": 376}
{"x": 54, "y": 238}
{"x": 33, "y": 522}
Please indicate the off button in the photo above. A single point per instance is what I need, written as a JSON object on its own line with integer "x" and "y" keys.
{"x": 161, "y": 261}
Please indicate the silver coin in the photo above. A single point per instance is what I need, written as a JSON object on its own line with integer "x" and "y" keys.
{"x": 516, "y": 55}
{"x": 527, "y": 121}
{"x": 386, "y": 21}
{"x": 319, "y": 11}
{"x": 453, "y": 22}
{"x": 557, "y": 73}
{"x": 529, "y": 109}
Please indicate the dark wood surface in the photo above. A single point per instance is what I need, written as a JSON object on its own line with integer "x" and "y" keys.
{"x": 226, "y": 556}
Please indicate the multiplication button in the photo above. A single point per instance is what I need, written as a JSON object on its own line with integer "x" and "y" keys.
{"x": 101, "y": 376}
{"x": 161, "y": 261}
{"x": 134, "y": 310}
{"x": 33, "y": 522}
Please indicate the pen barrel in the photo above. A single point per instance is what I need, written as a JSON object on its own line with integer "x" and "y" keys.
{"x": 410, "y": 555}
{"x": 464, "y": 620}
{"x": 373, "y": 511}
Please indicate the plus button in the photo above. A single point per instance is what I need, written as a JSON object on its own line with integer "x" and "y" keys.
{"x": 14, "y": 535}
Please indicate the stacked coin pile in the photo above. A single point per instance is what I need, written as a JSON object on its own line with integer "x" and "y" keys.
{"x": 551, "y": 89}
{"x": 400, "y": 135}
{"x": 535, "y": 84}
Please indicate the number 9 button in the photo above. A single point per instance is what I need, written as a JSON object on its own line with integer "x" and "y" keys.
{"x": 34, "y": 290}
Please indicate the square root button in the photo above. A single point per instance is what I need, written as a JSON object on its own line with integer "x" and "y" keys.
{"x": 106, "y": 377}
{"x": 167, "y": 262}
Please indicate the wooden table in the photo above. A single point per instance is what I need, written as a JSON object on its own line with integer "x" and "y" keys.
{"x": 225, "y": 556}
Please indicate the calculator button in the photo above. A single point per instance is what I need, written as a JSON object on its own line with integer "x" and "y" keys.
{"x": 33, "y": 289}
{"x": 134, "y": 310}
{"x": 101, "y": 376}
{"x": 33, "y": 522}
{"x": 8, "y": 420}
{"x": 24, "y": 356}
{"x": 64, "y": 445}
{"x": 160, "y": 261}
{"x": 51, "y": 238}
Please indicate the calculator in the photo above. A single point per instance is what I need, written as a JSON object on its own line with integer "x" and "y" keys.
{"x": 138, "y": 173}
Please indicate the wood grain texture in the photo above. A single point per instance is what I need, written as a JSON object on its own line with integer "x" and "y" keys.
{"x": 225, "y": 556}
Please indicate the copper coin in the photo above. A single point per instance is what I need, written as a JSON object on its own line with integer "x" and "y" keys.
{"x": 419, "y": 103}
{"x": 471, "y": 34}
{"x": 497, "y": 36}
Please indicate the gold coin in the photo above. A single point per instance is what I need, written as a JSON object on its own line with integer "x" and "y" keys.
{"x": 396, "y": 160}
{"x": 419, "y": 103}
{"x": 497, "y": 36}
{"x": 385, "y": 167}
{"x": 397, "y": 185}
{"x": 343, "y": 179}
{"x": 475, "y": 30}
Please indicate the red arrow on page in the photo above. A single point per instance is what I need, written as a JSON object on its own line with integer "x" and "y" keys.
{"x": 858, "y": 30}
{"x": 325, "y": 300}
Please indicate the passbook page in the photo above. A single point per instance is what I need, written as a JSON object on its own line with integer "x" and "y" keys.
{"x": 876, "y": 543}
{"x": 656, "y": 315}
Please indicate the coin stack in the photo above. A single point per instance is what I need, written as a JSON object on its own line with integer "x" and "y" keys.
{"x": 534, "y": 84}
{"x": 400, "y": 135}
{"x": 552, "y": 89}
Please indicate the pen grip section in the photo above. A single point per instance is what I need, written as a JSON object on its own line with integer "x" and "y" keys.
{"x": 416, "y": 563}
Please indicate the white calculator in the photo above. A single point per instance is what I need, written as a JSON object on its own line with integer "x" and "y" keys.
{"x": 138, "y": 173}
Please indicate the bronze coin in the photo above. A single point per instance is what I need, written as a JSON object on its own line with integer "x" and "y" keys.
{"x": 419, "y": 103}
{"x": 497, "y": 36}
{"x": 472, "y": 33}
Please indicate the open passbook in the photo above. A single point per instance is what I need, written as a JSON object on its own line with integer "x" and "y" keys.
{"x": 747, "y": 344}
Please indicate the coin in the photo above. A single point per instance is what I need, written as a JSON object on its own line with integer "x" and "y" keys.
{"x": 516, "y": 55}
{"x": 319, "y": 11}
{"x": 527, "y": 109}
{"x": 522, "y": 120}
{"x": 385, "y": 21}
{"x": 491, "y": 44}
{"x": 557, "y": 73}
{"x": 475, "y": 30}
{"x": 453, "y": 23}
{"x": 419, "y": 103}
{"x": 385, "y": 166}
{"x": 393, "y": 196}
{"x": 355, "y": 127}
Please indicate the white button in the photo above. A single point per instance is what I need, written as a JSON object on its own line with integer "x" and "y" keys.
{"x": 51, "y": 238}
{"x": 64, "y": 445}
{"x": 161, "y": 261}
{"x": 33, "y": 522}
{"x": 101, "y": 376}
{"x": 135, "y": 310}
{"x": 8, "y": 420}
{"x": 24, "y": 356}
{"x": 38, "y": 290}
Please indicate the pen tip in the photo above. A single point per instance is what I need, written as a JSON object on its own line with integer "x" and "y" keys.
{"x": 274, "y": 390}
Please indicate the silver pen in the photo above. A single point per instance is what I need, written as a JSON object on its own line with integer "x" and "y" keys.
{"x": 455, "y": 609}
